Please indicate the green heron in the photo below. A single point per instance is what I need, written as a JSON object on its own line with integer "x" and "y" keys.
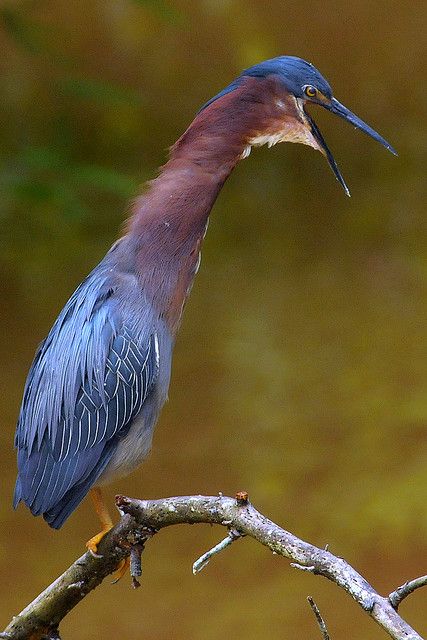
{"x": 99, "y": 380}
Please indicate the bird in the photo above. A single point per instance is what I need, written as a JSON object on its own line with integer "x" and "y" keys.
{"x": 99, "y": 380}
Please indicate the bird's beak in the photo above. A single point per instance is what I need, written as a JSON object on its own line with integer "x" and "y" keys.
{"x": 340, "y": 110}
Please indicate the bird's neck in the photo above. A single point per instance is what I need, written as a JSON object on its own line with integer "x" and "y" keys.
{"x": 167, "y": 229}
{"x": 169, "y": 220}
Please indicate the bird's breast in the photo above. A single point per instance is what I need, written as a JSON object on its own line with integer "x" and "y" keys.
{"x": 130, "y": 451}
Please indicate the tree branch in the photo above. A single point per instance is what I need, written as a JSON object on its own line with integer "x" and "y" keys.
{"x": 405, "y": 590}
{"x": 142, "y": 518}
{"x": 322, "y": 624}
{"x": 41, "y": 618}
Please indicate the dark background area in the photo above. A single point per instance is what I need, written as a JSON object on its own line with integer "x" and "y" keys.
{"x": 300, "y": 373}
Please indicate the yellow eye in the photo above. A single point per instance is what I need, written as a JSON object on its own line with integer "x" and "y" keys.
{"x": 310, "y": 91}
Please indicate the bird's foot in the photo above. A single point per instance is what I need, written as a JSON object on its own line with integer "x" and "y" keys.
{"x": 121, "y": 570}
{"x": 92, "y": 544}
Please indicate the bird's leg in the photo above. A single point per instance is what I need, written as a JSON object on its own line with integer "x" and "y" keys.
{"x": 103, "y": 515}
{"x": 107, "y": 524}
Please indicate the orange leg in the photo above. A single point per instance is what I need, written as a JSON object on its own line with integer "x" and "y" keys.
{"x": 104, "y": 517}
{"x": 107, "y": 524}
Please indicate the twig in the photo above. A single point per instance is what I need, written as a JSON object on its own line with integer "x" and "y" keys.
{"x": 405, "y": 590}
{"x": 135, "y": 564}
{"x": 320, "y": 621}
{"x": 201, "y": 562}
{"x": 301, "y": 567}
{"x": 142, "y": 518}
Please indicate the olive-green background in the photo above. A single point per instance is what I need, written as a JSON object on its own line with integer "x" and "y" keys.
{"x": 300, "y": 372}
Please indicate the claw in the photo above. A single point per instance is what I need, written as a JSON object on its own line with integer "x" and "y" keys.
{"x": 121, "y": 570}
{"x": 92, "y": 544}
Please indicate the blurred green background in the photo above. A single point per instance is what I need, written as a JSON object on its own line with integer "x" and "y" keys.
{"x": 300, "y": 373}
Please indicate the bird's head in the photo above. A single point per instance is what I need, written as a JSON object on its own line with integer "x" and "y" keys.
{"x": 278, "y": 92}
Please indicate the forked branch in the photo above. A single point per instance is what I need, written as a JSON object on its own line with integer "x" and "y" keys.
{"x": 142, "y": 518}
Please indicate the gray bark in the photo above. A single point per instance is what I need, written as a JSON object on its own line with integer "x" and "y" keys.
{"x": 141, "y": 519}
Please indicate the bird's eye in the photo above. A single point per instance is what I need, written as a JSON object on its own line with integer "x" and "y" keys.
{"x": 310, "y": 91}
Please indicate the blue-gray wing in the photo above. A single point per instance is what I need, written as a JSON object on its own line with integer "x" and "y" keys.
{"x": 88, "y": 381}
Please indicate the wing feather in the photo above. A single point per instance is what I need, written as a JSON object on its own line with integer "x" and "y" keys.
{"x": 89, "y": 379}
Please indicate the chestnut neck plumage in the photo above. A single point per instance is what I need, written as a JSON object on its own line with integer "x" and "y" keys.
{"x": 169, "y": 220}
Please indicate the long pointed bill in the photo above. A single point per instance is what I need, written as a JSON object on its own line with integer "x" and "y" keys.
{"x": 340, "y": 110}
